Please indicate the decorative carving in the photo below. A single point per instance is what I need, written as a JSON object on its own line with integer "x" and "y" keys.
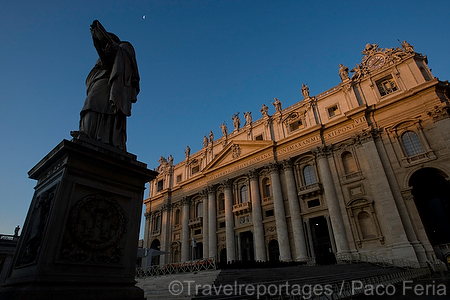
{"x": 236, "y": 151}
{"x": 97, "y": 222}
{"x": 287, "y": 164}
{"x": 440, "y": 112}
{"x": 273, "y": 167}
{"x": 37, "y": 227}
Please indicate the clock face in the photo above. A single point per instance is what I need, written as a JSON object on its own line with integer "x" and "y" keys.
{"x": 375, "y": 62}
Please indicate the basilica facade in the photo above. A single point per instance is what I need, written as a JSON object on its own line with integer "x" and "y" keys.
{"x": 360, "y": 169}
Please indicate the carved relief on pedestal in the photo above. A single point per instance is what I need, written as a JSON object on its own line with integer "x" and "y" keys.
{"x": 95, "y": 226}
{"x": 37, "y": 227}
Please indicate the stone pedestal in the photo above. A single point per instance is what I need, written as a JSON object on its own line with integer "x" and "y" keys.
{"x": 80, "y": 236}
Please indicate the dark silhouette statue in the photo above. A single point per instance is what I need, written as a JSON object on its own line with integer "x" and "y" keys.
{"x": 112, "y": 86}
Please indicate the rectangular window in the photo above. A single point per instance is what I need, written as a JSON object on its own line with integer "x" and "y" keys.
{"x": 333, "y": 111}
{"x": 386, "y": 86}
{"x": 259, "y": 137}
{"x": 178, "y": 178}
{"x": 195, "y": 169}
{"x": 197, "y": 231}
{"x": 313, "y": 203}
{"x": 269, "y": 213}
{"x": 295, "y": 125}
{"x": 222, "y": 225}
{"x": 160, "y": 186}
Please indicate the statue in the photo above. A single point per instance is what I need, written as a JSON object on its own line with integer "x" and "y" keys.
{"x": 188, "y": 151}
{"x": 16, "y": 230}
{"x": 112, "y": 86}
{"x": 407, "y": 47}
{"x": 343, "y": 72}
{"x": 224, "y": 129}
{"x": 277, "y": 105}
{"x": 248, "y": 118}
{"x": 236, "y": 121}
{"x": 211, "y": 137}
{"x": 264, "y": 110}
{"x": 170, "y": 160}
{"x": 305, "y": 90}
{"x": 205, "y": 141}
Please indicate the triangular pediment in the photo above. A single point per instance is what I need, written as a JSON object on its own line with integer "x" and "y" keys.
{"x": 236, "y": 151}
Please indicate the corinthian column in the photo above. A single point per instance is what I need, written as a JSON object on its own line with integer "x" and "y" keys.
{"x": 229, "y": 222}
{"x": 185, "y": 230}
{"x": 212, "y": 222}
{"x": 333, "y": 204}
{"x": 296, "y": 219}
{"x": 280, "y": 215}
{"x": 260, "y": 249}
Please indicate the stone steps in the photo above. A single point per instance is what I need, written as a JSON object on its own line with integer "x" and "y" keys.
{"x": 157, "y": 287}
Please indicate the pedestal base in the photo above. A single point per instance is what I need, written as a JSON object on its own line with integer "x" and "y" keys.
{"x": 80, "y": 236}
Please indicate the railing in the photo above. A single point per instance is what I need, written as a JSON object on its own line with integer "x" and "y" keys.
{"x": 377, "y": 260}
{"x": 176, "y": 268}
{"x": 8, "y": 237}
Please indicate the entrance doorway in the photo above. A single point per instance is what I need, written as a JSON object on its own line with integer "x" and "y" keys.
{"x": 274, "y": 251}
{"x": 155, "y": 245}
{"x": 247, "y": 252}
{"x": 431, "y": 193}
{"x": 223, "y": 256}
{"x": 321, "y": 241}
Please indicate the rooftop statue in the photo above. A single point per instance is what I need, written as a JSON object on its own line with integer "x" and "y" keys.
{"x": 236, "y": 121}
{"x": 305, "y": 90}
{"x": 264, "y": 110}
{"x": 112, "y": 86}
{"x": 277, "y": 105}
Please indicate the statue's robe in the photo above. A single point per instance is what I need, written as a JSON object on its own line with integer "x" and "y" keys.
{"x": 110, "y": 93}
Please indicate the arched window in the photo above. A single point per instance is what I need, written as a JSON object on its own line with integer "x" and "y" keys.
{"x": 366, "y": 225}
{"x": 349, "y": 163}
{"x": 308, "y": 174}
{"x": 221, "y": 202}
{"x": 412, "y": 144}
{"x": 177, "y": 217}
{"x": 244, "y": 194}
{"x": 199, "y": 210}
{"x": 266, "y": 187}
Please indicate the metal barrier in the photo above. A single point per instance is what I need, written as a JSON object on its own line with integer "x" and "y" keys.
{"x": 175, "y": 268}
{"x": 376, "y": 260}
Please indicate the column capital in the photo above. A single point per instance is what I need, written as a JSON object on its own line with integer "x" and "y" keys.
{"x": 253, "y": 174}
{"x": 211, "y": 189}
{"x": 440, "y": 112}
{"x": 228, "y": 184}
{"x": 273, "y": 167}
{"x": 185, "y": 201}
{"x": 166, "y": 207}
{"x": 322, "y": 151}
{"x": 287, "y": 164}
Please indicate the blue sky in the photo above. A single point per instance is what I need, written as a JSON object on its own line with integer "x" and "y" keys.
{"x": 199, "y": 62}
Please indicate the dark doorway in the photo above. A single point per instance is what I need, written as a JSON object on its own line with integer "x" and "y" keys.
{"x": 432, "y": 197}
{"x": 155, "y": 245}
{"x": 247, "y": 252}
{"x": 198, "y": 251}
{"x": 274, "y": 251}
{"x": 321, "y": 241}
{"x": 223, "y": 256}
